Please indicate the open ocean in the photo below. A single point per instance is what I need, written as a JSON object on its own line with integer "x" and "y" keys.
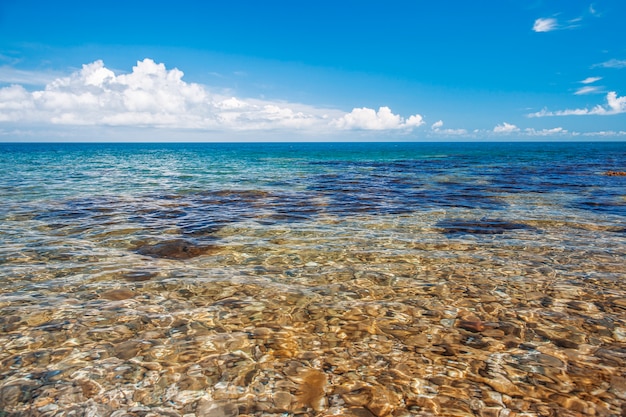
{"x": 354, "y": 279}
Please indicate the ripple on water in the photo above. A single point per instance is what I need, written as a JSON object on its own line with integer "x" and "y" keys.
{"x": 324, "y": 289}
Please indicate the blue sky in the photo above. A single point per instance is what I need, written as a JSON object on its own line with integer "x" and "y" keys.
{"x": 288, "y": 70}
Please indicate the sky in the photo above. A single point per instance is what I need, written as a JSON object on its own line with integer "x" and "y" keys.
{"x": 420, "y": 70}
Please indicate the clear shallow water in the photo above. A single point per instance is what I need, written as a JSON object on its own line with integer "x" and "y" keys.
{"x": 315, "y": 279}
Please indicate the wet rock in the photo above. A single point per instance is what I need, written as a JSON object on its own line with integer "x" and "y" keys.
{"x": 175, "y": 249}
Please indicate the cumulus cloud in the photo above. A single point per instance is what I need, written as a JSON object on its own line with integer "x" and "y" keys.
{"x": 149, "y": 95}
{"x": 614, "y": 105}
{"x": 505, "y": 128}
{"x": 153, "y": 96}
{"x": 545, "y": 25}
{"x": 369, "y": 119}
{"x": 437, "y": 125}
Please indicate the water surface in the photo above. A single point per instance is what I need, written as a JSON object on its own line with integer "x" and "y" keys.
{"x": 313, "y": 279}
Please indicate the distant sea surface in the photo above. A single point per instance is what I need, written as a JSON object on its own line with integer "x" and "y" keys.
{"x": 313, "y": 278}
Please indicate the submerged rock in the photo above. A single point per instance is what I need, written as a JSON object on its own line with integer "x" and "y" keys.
{"x": 175, "y": 249}
{"x": 117, "y": 294}
{"x": 139, "y": 276}
{"x": 480, "y": 227}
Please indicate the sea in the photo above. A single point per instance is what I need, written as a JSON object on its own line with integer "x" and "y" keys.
{"x": 313, "y": 279}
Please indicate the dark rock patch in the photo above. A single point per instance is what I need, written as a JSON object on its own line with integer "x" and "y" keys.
{"x": 175, "y": 249}
{"x": 480, "y": 227}
{"x": 138, "y": 276}
{"x": 602, "y": 203}
{"x": 117, "y": 294}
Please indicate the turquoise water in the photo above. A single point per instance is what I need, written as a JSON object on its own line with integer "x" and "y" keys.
{"x": 336, "y": 278}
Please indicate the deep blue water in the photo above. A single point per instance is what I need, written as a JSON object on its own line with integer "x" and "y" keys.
{"x": 359, "y": 177}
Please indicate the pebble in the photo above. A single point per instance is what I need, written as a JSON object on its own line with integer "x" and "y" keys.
{"x": 436, "y": 342}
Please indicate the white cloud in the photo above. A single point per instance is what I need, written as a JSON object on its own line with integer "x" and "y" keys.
{"x": 415, "y": 120}
{"x": 614, "y": 105}
{"x": 590, "y": 80}
{"x": 153, "y": 96}
{"x": 606, "y": 133}
{"x": 437, "y": 128}
{"x": 452, "y": 132}
{"x": 545, "y": 25}
{"x": 437, "y": 125}
{"x": 149, "y": 95}
{"x": 369, "y": 119}
{"x": 545, "y": 132}
{"x": 549, "y": 24}
{"x": 505, "y": 128}
{"x": 611, "y": 63}
{"x": 588, "y": 89}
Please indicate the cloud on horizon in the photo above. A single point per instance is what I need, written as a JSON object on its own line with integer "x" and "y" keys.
{"x": 614, "y": 105}
{"x": 505, "y": 128}
{"x": 153, "y": 96}
{"x": 437, "y": 128}
{"x": 383, "y": 119}
{"x": 545, "y": 132}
